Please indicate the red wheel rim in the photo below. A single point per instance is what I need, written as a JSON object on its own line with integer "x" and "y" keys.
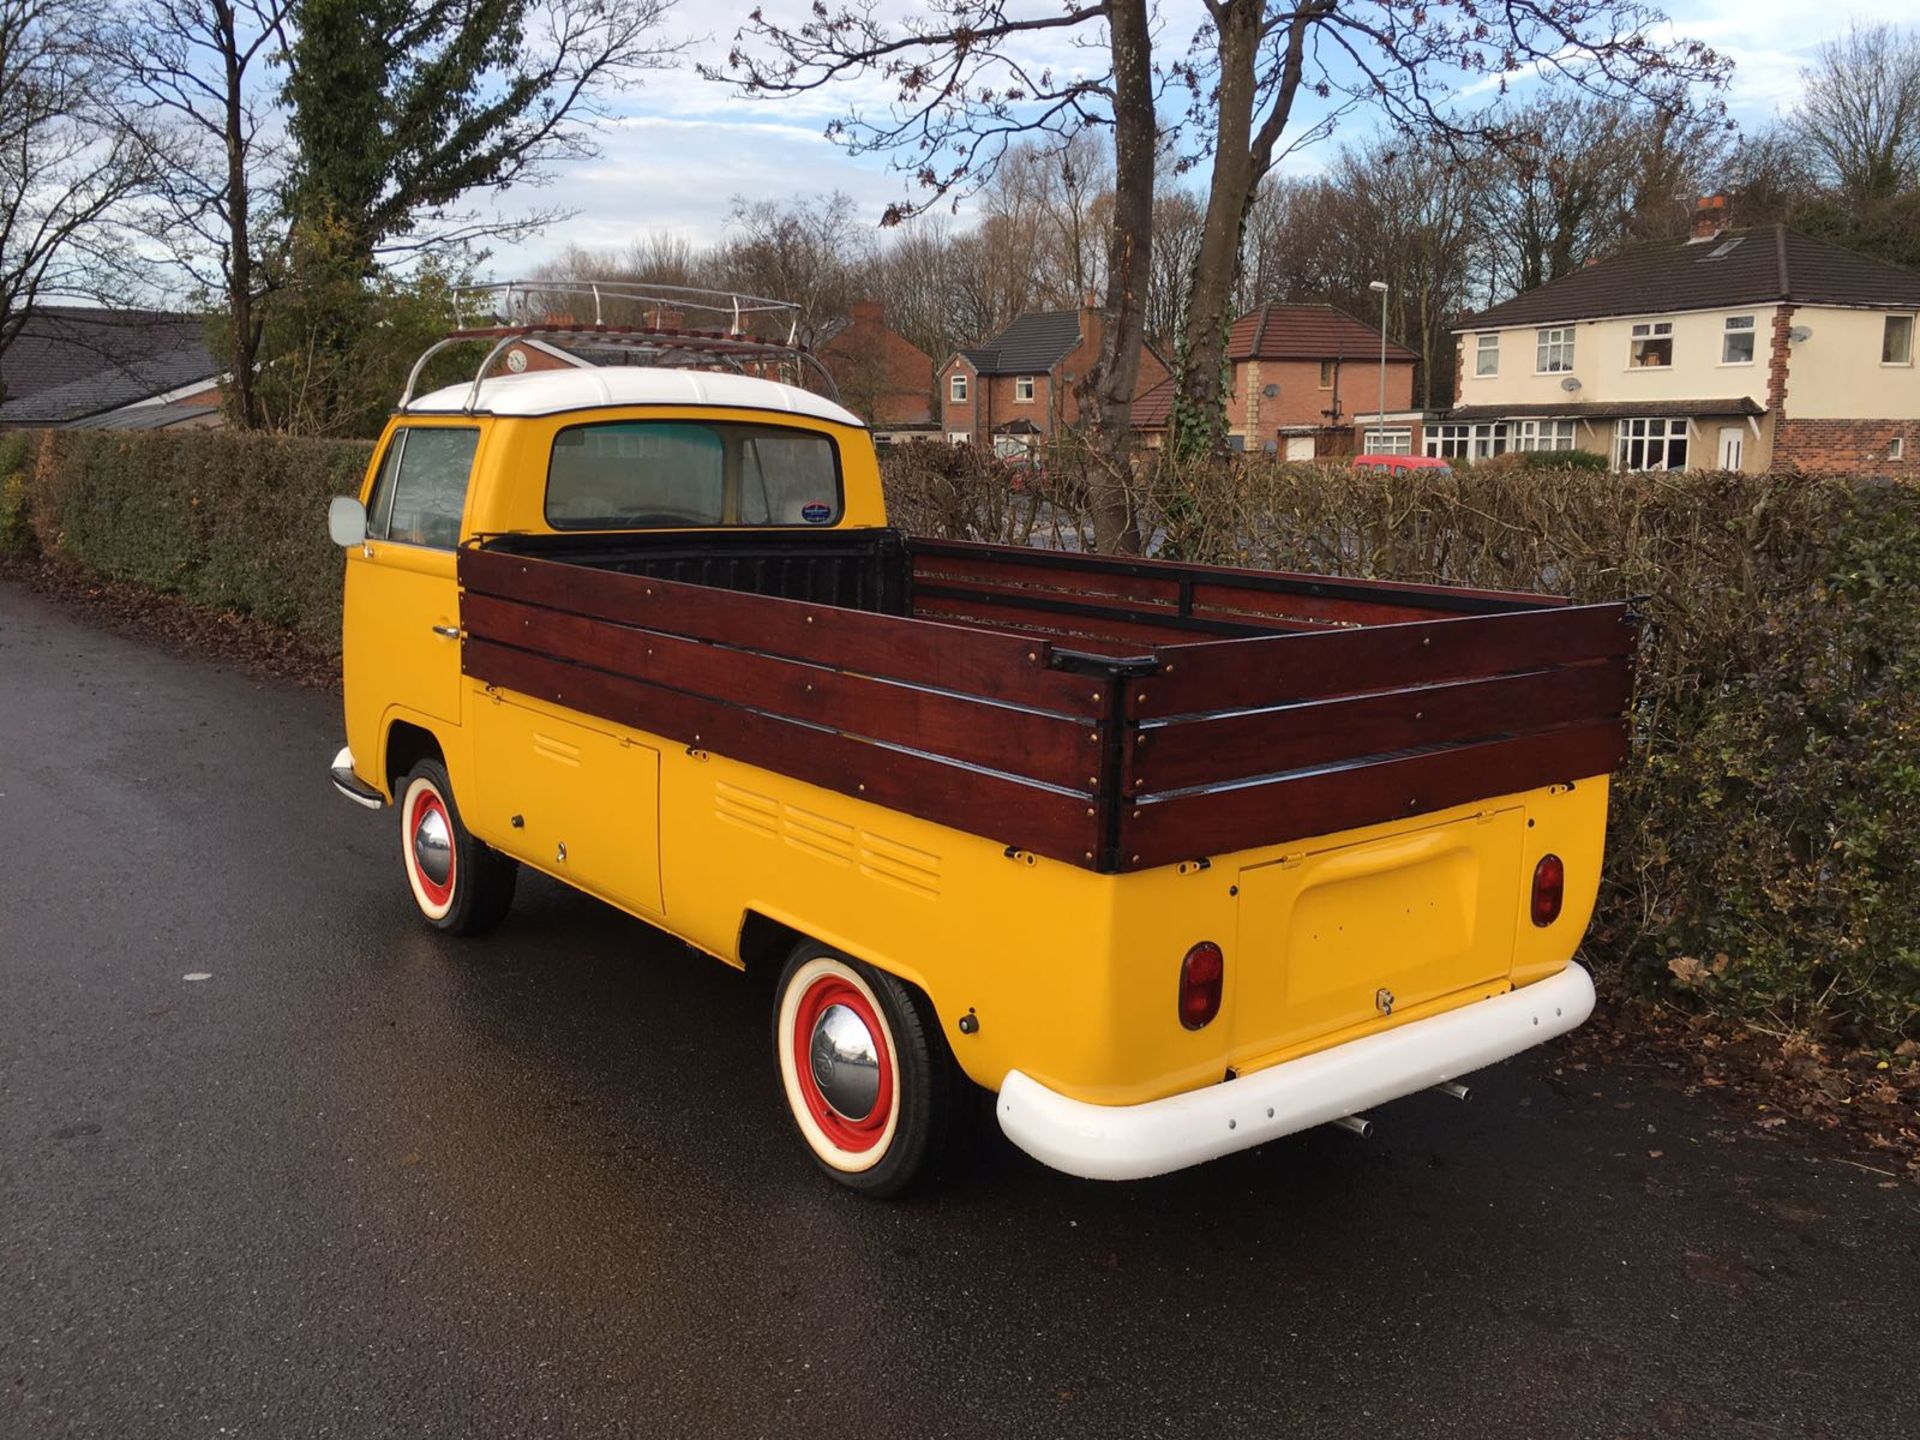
{"x": 426, "y": 803}
{"x": 854, "y": 1136}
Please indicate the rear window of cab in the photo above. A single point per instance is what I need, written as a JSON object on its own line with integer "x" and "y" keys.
{"x": 691, "y": 474}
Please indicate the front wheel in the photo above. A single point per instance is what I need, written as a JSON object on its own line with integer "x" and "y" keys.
{"x": 865, "y": 1071}
{"x": 461, "y": 885}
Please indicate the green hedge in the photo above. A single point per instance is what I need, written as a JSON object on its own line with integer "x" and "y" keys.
{"x": 231, "y": 520}
{"x": 1765, "y": 838}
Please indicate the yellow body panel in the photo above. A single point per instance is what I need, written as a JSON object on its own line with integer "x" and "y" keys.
{"x": 1072, "y": 975}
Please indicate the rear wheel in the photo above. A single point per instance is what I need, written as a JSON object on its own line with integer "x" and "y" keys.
{"x": 866, "y": 1074}
{"x": 461, "y": 885}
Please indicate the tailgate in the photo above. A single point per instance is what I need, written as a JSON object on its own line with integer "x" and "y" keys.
{"x": 1333, "y": 938}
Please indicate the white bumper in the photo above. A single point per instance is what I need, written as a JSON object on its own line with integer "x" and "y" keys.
{"x": 1131, "y": 1142}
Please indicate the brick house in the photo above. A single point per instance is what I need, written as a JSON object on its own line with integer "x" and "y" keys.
{"x": 1734, "y": 349}
{"x": 882, "y": 375}
{"x": 1303, "y": 379}
{"x": 1017, "y": 391}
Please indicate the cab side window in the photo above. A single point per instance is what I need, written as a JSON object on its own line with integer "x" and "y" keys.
{"x": 421, "y": 490}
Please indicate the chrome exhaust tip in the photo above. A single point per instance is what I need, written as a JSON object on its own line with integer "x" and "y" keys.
{"x": 1358, "y": 1124}
{"x": 1453, "y": 1088}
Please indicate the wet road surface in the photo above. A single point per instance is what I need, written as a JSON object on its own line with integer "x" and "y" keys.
{"x": 363, "y": 1180}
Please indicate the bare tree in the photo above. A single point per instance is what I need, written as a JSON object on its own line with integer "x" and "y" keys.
{"x": 1250, "y": 61}
{"x": 1575, "y": 176}
{"x": 965, "y": 94}
{"x": 198, "y": 75}
{"x": 807, "y": 250}
{"x": 1859, "y": 117}
{"x": 1178, "y": 218}
{"x": 67, "y": 162}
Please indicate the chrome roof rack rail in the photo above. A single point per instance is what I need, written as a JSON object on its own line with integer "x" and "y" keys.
{"x": 664, "y": 325}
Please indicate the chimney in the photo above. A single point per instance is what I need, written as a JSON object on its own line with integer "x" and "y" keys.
{"x": 1710, "y": 215}
{"x": 868, "y": 312}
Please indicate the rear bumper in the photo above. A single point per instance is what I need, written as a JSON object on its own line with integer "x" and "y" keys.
{"x": 1131, "y": 1142}
{"x": 350, "y": 784}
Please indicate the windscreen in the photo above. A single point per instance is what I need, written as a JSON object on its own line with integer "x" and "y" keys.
{"x": 691, "y": 474}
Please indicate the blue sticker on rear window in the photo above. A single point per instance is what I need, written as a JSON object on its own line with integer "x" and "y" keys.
{"x": 816, "y": 513}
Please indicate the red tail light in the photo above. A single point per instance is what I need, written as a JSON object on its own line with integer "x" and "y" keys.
{"x": 1549, "y": 889}
{"x": 1202, "y": 974}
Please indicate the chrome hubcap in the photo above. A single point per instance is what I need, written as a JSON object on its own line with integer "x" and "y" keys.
{"x": 846, "y": 1062}
{"x": 433, "y": 844}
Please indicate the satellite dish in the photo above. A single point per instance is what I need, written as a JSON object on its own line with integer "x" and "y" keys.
{"x": 1799, "y": 333}
{"x": 1270, "y": 391}
{"x": 1570, "y": 384}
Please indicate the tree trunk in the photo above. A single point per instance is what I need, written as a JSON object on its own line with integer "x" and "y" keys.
{"x": 1107, "y": 390}
{"x": 1241, "y": 159}
{"x": 243, "y": 328}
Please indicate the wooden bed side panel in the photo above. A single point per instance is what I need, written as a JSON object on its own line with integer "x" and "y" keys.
{"x": 1212, "y": 750}
{"x": 1054, "y": 749}
{"x": 1284, "y": 669}
{"x": 1135, "y": 637}
{"x": 1192, "y": 826}
{"x": 1429, "y": 598}
{"x": 1047, "y": 822}
{"x": 992, "y": 665}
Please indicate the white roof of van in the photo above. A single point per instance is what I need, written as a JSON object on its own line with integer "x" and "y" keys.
{"x": 549, "y": 392}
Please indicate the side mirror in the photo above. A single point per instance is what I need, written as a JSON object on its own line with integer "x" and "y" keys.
{"x": 347, "y": 521}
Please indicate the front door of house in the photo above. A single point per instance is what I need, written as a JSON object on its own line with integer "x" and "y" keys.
{"x": 1733, "y": 440}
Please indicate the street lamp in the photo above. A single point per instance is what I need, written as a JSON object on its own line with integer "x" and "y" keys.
{"x": 1380, "y": 419}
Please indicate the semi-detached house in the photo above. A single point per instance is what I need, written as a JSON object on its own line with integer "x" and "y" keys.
{"x": 1734, "y": 349}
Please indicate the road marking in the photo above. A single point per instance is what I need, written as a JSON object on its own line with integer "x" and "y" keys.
{"x": 199, "y": 975}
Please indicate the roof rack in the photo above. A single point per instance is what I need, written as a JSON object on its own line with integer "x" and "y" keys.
{"x": 646, "y": 321}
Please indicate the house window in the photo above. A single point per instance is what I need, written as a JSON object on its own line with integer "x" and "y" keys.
{"x": 958, "y": 437}
{"x": 957, "y": 388}
{"x": 1389, "y": 442}
{"x": 1896, "y": 341}
{"x": 1326, "y": 374}
{"x": 1023, "y": 389}
{"x": 1736, "y": 341}
{"x": 1486, "y": 355}
{"x": 1466, "y": 442}
{"x": 1554, "y": 350}
{"x": 1650, "y": 445}
{"x": 1897, "y": 448}
{"x": 1543, "y": 435}
{"x": 1652, "y": 345}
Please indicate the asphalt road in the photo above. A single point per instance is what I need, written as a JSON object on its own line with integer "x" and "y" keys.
{"x": 367, "y": 1181}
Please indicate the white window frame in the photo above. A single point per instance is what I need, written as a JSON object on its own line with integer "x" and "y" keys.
{"x": 957, "y": 387}
{"x": 1648, "y": 332}
{"x": 1897, "y": 448}
{"x": 1483, "y": 353}
{"x": 1023, "y": 388}
{"x": 959, "y": 437}
{"x": 1543, "y": 435}
{"x": 1462, "y": 440}
{"x": 1887, "y": 325}
{"x": 1397, "y": 441}
{"x": 1739, "y": 325}
{"x": 1553, "y": 350}
{"x": 1650, "y": 431}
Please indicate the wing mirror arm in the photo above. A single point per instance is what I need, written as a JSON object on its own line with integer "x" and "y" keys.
{"x": 347, "y": 521}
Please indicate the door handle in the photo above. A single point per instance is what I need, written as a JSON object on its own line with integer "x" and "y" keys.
{"x": 450, "y": 632}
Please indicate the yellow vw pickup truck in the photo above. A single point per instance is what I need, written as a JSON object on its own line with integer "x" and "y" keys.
{"x": 1175, "y": 859}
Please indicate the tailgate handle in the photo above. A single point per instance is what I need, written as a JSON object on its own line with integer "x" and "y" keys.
{"x": 451, "y": 632}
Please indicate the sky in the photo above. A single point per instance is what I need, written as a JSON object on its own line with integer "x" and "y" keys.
{"x": 676, "y": 152}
